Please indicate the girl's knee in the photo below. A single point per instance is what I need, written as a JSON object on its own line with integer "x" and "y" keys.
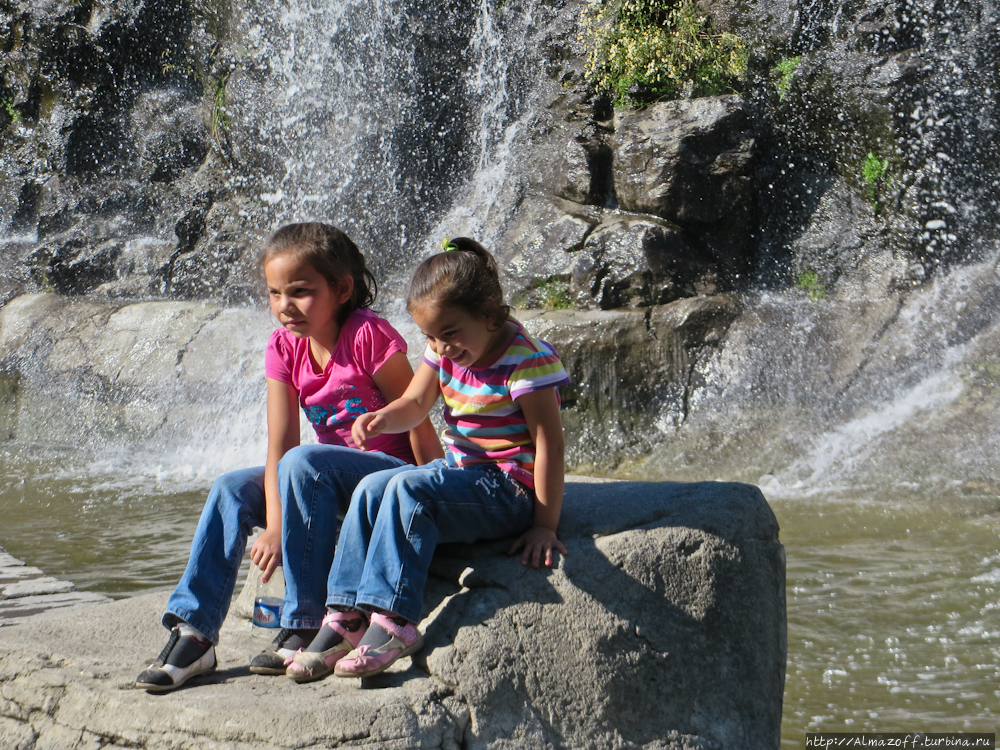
{"x": 408, "y": 488}
{"x": 242, "y": 485}
{"x": 297, "y": 460}
{"x": 374, "y": 487}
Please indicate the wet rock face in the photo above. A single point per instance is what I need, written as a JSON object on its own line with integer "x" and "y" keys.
{"x": 690, "y": 161}
{"x": 634, "y": 372}
{"x": 643, "y": 209}
{"x": 638, "y": 262}
{"x": 148, "y": 148}
{"x": 109, "y": 143}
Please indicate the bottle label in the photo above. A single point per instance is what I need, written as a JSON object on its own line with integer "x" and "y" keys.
{"x": 267, "y": 614}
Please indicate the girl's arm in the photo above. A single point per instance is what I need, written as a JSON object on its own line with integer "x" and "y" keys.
{"x": 392, "y": 378}
{"x": 282, "y": 436}
{"x": 403, "y": 414}
{"x": 541, "y": 412}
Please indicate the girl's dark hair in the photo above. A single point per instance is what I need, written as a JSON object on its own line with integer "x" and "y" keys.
{"x": 331, "y": 253}
{"x": 464, "y": 276}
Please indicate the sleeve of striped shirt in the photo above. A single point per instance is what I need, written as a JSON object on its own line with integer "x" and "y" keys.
{"x": 432, "y": 359}
{"x": 539, "y": 370}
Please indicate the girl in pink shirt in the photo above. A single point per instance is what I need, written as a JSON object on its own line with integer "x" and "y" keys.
{"x": 336, "y": 359}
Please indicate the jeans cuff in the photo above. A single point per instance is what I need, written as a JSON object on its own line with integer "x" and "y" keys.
{"x": 395, "y": 605}
{"x": 341, "y": 601}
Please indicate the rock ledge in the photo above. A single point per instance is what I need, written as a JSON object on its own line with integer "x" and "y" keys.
{"x": 663, "y": 628}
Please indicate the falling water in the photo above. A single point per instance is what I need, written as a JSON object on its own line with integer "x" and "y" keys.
{"x": 868, "y": 421}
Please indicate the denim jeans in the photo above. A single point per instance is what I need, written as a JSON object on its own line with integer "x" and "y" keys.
{"x": 315, "y": 482}
{"x": 396, "y": 519}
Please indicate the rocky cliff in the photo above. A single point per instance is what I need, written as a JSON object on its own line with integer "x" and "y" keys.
{"x": 148, "y": 147}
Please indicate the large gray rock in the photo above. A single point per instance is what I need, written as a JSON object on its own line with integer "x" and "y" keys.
{"x": 635, "y": 373}
{"x": 692, "y": 162}
{"x": 663, "y": 628}
{"x": 638, "y": 261}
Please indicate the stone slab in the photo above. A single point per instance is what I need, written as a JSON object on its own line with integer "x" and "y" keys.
{"x": 32, "y": 605}
{"x": 664, "y": 627}
{"x": 36, "y": 587}
{"x": 12, "y": 574}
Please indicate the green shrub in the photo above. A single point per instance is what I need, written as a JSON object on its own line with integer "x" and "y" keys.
{"x": 12, "y": 112}
{"x": 649, "y": 50}
{"x": 875, "y": 174}
{"x": 555, "y": 295}
{"x": 784, "y": 71}
{"x": 810, "y": 284}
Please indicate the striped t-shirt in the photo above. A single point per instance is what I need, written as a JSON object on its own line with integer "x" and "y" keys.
{"x": 485, "y": 422}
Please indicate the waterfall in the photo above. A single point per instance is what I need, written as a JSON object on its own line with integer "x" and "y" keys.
{"x": 381, "y": 116}
{"x": 388, "y": 118}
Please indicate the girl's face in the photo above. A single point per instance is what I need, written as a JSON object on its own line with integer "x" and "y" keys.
{"x": 302, "y": 300}
{"x": 465, "y": 339}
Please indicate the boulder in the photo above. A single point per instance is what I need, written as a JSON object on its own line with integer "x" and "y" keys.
{"x": 692, "y": 162}
{"x": 630, "y": 261}
{"x": 664, "y": 627}
{"x": 634, "y": 372}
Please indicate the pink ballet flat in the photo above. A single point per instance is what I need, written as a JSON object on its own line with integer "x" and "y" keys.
{"x": 369, "y": 660}
{"x": 308, "y": 666}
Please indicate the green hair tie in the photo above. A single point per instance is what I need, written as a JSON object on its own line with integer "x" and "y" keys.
{"x": 448, "y": 246}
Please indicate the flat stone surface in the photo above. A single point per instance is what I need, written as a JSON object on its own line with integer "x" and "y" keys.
{"x": 664, "y": 627}
{"x": 26, "y": 591}
{"x": 9, "y": 561}
{"x": 26, "y": 606}
{"x": 36, "y": 587}
{"x": 13, "y": 574}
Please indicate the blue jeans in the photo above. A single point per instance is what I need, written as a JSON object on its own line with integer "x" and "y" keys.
{"x": 315, "y": 482}
{"x": 398, "y": 516}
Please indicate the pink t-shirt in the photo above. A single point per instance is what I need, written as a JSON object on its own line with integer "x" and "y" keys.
{"x": 333, "y": 399}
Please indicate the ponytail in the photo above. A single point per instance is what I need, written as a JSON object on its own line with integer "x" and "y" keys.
{"x": 465, "y": 276}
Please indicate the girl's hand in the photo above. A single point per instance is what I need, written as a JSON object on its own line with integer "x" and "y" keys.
{"x": 365, "y": 427}
{"x": 266, "y": 552}
{"x": 537, "y": 543}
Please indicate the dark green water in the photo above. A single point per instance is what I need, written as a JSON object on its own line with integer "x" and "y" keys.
{"x": 893, "y": 615}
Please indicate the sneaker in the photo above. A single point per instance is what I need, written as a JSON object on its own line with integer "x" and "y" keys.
{"x": 274, "y": 658}
{"x": 182, "y": 658}
{"x": 388, "y": 639}
{"x": 341, "y": 632}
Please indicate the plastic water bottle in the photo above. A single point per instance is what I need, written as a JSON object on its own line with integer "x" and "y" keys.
{"x": 267, "y": 607}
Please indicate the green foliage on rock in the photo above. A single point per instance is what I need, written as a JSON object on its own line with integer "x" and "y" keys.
{"x": 649, "y": 50}
{"x": 555, "y": 295}
{"x": 550, "y": 294}
{"x": 783, "y": 72}
{"x": 874, "y": 172}
{"x": 221, "y": 119}
{"x": 7, "y": 103}
{"x": 809, "y": 283}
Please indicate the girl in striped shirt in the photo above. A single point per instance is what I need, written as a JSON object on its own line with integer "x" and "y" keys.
{"x": 502, "y": 477}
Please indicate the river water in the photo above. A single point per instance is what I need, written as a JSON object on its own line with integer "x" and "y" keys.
{"x": 893, "y": 621}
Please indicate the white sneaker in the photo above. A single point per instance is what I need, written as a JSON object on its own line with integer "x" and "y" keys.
{"x": 182, "y": 658}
